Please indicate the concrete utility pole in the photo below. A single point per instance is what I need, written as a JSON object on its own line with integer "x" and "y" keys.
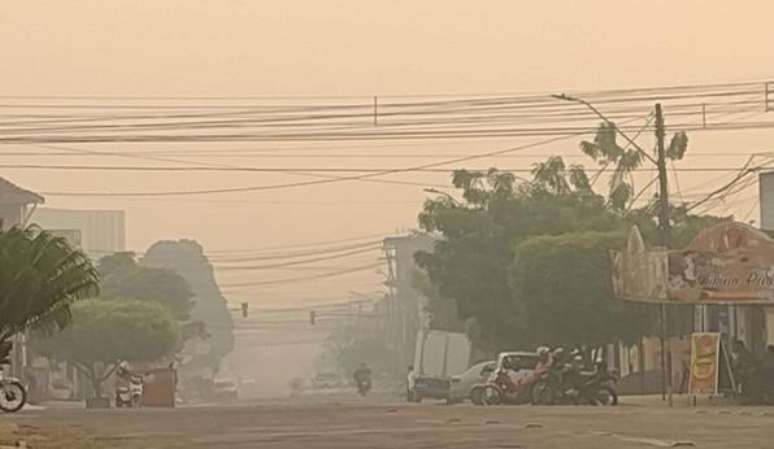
{"x": 665, "y": 227}
{"x": 665, "y": 231}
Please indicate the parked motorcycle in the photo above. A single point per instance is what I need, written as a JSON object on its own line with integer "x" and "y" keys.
{"x": 130, "y": 395}
{"x": 510, "y": 383}
{"x": 363, "y": 387}
{"x": 13, "y": 394}
{"x": 570, "y": 384}
{"x": 502, "y": 389}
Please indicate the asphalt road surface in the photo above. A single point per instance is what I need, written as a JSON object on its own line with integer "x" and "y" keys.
{"x": 369, "y": 423}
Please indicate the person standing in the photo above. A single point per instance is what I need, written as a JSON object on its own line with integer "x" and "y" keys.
{"x": 410, "y": 379}
{"x": 744, "y": 368}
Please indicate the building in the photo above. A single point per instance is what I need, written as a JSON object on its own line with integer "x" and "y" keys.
{"x": 96, "y": 232}
{"x": 406, "y": 314}
{"x": 766, "y": 196}
{"x": 16, "y": 204}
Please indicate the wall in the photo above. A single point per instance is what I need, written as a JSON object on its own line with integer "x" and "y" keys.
{"x": 102, "y": 232}
{"x": 11, "y": 214}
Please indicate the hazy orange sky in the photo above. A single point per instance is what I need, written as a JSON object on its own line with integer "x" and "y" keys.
{"x": 241, "y": 48}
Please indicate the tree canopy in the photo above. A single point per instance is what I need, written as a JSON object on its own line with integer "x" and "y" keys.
{"x": 40, "y": 278}
{"x": 527, "y": 264}
{"x": 123, "y": 277}
{"x": 563, "y": 286}
{"x": 107, "y": 332}
{"x": 210, "y": 307}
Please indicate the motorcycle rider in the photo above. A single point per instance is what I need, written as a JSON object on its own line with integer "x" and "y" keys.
{"x": 123, "y": 373}
{"x": 126, "y": 378}
{"x": 362, "y": 376}
{"x": 545, "y": 359}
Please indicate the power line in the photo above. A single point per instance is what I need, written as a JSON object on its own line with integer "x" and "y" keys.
{"x": 326, "y": 181}
{"x": 317, "y": 169}
{"x": 587, "y": 93}
{"x": 250, "y": 256}
{"x": 454, "y": 113}
{"x": 304, "y": 278}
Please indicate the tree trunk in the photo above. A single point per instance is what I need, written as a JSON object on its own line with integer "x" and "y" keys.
{"x": 90, "y": 372}
{"x": 96, "y": 382}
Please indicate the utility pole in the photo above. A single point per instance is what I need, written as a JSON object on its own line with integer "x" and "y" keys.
{"x": 665, "y": 231}
{"x": 663, "y": 217}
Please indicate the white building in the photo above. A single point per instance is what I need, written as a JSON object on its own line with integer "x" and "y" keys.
{"x": 97, "y": 232}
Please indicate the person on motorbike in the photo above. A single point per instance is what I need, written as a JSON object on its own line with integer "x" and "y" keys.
{"x": 362, "y": 375}
{"x": 544, "y": 359}
{"x": 559, "y": 355}
{"x": 124, "y": 373}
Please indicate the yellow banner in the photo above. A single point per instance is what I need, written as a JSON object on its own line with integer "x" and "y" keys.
{"x": 705, "y": 363}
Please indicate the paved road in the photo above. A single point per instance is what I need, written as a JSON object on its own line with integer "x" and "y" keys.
{"x": 371, "y": 424}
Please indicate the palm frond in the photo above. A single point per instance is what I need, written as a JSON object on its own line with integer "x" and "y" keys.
{"x": 677, "y": 146}
{"x": 40, "y": 276}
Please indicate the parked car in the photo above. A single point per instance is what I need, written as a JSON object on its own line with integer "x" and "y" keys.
{"x": 226, "y": 390}
{"x": 462, "y": 384}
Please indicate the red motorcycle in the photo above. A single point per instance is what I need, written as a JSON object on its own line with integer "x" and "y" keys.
{"x": 511, "y": 382}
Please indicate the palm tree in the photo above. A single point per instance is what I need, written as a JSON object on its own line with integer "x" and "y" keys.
{"x": 606, "y": 151}
{"x": 40, "y": 277}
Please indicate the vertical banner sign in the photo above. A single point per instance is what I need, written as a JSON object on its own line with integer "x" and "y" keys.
{"x": 705, "y": 363}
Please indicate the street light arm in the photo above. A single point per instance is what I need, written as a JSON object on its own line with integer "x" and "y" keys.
{"x": 442, "y": 193}
{"x": 607, "y": 121}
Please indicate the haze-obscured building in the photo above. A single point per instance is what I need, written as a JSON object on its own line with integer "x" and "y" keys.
{"x": 766, "y": 192}
{"x": 16, "y": 203}
{"x": 97, "y": 232}
{"x": 407, "y": 313}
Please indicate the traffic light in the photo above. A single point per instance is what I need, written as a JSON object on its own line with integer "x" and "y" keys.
{"x": 244, "y": 310}
{"x": 312, "y": 316}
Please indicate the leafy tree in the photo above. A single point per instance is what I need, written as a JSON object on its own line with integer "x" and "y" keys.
{"x": 442, "y": 310}
{"x": 40, "y": 278}
{"x": 210, "y": 307}
{"x": 606, "y": 150}
{"x": 474, "y": 262}
{"x": 471, "y": 263}
{"x": 564, "y": 285}
{"x": 122, "y": 277}
{"x": 104, "y": 333}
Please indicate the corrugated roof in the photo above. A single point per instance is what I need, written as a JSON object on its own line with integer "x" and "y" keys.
{"x": 10, "y": 193}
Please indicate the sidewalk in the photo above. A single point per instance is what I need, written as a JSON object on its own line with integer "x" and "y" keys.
{"x": 680, "y": 401}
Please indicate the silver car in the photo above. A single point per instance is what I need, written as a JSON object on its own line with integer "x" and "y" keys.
{"x": 462, "y": 384}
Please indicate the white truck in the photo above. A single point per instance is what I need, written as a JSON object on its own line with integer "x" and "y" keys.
{"x": 438, "y": 355}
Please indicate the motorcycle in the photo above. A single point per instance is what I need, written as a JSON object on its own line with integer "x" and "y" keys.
{"x": 130, "y": 395}
{"x": 13, "y": 395}
{"x": 363, "y": 387}
{"x": 510, "y": 383}
{"x": 569, "y": 384}
{"x": 503, "y": 389}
